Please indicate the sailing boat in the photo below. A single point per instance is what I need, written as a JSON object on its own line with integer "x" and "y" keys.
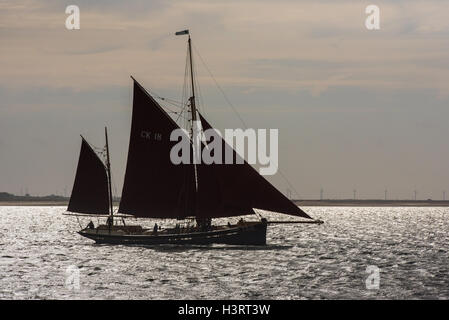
{"x": 156, "y": 188}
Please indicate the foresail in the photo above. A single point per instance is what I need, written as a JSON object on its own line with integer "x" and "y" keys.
{"x": 90, "y": 189}
{"x": 154, "y": 186}
{"x": 242, "y": 187}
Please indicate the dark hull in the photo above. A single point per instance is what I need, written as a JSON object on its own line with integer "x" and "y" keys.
{"x": 248, "y": 234}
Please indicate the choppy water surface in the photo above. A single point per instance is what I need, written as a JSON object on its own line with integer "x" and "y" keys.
{"x": 39, "y": 249}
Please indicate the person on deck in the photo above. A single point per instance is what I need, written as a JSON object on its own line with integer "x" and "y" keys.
{"x": 155, "y": 228}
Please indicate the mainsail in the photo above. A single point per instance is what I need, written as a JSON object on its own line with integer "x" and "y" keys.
{"x": 154, "y": 186}
{"x": 90, "y": 189}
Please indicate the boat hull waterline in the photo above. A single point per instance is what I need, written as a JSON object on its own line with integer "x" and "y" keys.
{"x": 248, "y": 234}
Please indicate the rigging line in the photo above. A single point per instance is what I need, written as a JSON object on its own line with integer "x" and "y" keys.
{"x": 169, "y": 105}
{"x": 221, "y": 90}
{"x": 77, "y": 219}
{"x": 200, "y": 94}
{"x": 183, "y": 118}
{"x": 236, "y": 112}
{"x": 178, "y": 108}
{"x": 98, "y": 148}
{"x": 182, "y": 115}
{"x": 157, "y": 96}
{"x": 100, "y": 152}
{"x": 174, "y": 111}
{"x": 170, "y": 101}
{"x": 114, "y": 186}
{"x": 183, "y": 96}
{"x": 169, "y": 110}
{"x": 197, "y": 86}
{"x": 289, "y": 183}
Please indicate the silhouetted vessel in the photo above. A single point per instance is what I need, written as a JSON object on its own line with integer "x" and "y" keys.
{"x": 154, "y": 187}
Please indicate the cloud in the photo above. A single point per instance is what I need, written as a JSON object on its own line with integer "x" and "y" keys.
{"x": 287, "y": 44}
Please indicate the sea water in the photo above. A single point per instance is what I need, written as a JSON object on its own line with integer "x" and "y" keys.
{"x": 358, "y": 253}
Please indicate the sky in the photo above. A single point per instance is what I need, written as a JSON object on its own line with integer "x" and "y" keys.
{"x": 356, "y": 109}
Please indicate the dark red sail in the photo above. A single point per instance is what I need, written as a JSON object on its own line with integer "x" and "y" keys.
{"x": 211, "y": 196}
{"x": 242, "y": 187}
{"x": 90, "y": 189}
{"x": 154, "y": 186}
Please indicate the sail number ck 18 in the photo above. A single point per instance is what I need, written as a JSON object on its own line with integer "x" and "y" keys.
{"x": 226, "y": 309}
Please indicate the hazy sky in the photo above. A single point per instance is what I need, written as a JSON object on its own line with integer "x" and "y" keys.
{"x": 355, "y": 109}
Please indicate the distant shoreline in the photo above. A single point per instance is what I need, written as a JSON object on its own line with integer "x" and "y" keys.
{"x": 33, "y": 203}
{"x": 301, "y": 203}
{"x": 371, "y": 203}
{"x": 37, "y": 203}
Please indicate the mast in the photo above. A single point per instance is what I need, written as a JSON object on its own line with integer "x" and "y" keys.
{"x": 192, "y": 98}
{"x": 194, "y": 119}
{"x": 108, "y": 167}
